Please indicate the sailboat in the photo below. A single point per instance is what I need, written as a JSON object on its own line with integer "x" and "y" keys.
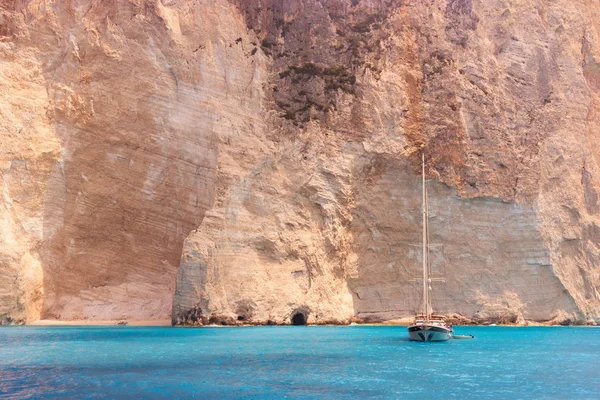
{"x": 428, "y": 327}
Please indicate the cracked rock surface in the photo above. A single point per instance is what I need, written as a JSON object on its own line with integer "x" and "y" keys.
{"x": 253, "y": 161}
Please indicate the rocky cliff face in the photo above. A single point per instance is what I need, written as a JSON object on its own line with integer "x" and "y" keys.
{"x": 108, "y": 154}
{"x": 286, "y": 137}
{"x": 500, "y": 98}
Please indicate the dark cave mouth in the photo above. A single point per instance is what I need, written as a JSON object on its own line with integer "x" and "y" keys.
{"x": 299, "y": 318}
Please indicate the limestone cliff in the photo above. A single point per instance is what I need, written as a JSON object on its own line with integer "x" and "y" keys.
{"x": 502, "y": 98}
{"x": 286, "y": 137}
{"x": 108, "y": 121}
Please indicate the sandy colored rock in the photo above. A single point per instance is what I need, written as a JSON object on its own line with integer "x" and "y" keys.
{"x": 108, "y": 153}
{"x": 498, "y": 94}
{"x": 248, "y": 161}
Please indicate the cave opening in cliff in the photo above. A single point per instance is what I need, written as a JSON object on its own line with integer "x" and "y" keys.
{"x": 299, "y": 318}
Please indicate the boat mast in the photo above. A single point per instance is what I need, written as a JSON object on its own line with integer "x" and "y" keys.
{"x": 428, "y": 246}
{"x": 425, "y": 277}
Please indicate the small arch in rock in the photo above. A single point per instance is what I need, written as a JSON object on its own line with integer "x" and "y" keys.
{"x": 299, "y": 317}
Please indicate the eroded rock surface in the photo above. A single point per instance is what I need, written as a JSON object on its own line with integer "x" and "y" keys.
{"x": 108, "y": 149}
{"x": 500, "y": 96}
{"x": 286, "y": 137}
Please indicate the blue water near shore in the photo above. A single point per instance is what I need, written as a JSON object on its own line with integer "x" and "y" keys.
{"x": 297, "y": 362}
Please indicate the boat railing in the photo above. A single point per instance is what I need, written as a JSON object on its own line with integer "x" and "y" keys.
{"x": 431, "y": 317}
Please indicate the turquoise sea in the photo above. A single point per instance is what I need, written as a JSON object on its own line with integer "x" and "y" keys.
{"x": 297, "y": 362}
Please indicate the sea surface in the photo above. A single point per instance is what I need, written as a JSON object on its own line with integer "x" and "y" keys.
{"x": 349, "y": 362}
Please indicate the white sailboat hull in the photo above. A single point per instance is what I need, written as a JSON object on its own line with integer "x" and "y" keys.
{"x": 429, "y": 333}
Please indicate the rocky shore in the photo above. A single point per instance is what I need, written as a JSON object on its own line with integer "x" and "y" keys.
{"x": 216, "y": 320}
